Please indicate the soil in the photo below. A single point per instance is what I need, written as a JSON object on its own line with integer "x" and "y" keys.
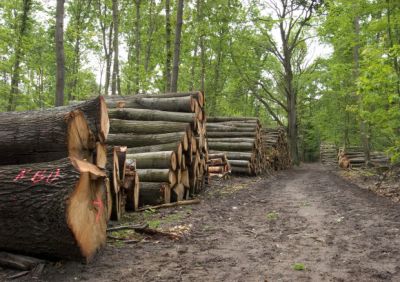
{"x": 259, "y": 229}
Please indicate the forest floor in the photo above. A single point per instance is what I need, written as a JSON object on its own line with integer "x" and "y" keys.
{"x": 305, "y": 224}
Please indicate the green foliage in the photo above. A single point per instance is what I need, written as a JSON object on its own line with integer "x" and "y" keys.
{"x": 298, "y": 266}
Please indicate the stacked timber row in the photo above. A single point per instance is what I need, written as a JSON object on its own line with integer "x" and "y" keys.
{"x": 218, "y": 165}
{"x": 239, "y": 138}
{"x": 328, "y": 154}
{"x": 356, "y": 156}
{"x": 165, "y": 136}
{"x": 54, "y": 196}
{"x": 276, "y": 148}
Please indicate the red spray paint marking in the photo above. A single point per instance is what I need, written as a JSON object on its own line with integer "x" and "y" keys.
{"x": 21, "y": 174}
{"x": 38, "y": 176}
{"x": 99, "y": 204}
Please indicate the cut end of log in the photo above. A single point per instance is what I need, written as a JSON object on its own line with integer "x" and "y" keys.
{"x": 80, "y": 139}
{"x": 87, "y": 213}
{"x": 104, "y": 120}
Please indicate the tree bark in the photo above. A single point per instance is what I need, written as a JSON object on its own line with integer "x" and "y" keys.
{"x": 154, "y": 193}
{"x": 137, "y": 47}
{"x": 53, "y": 209}
{"x": 134, "y": 140}
{"x": 115, "y": 84}
{"x": 177, "y": 49}
{"x": 146, "y": 127}
{"x": 228, "y": 146}
{"x": 59, "y": 38}
{"x": 15, "y": 77}
{"x": 157, "y": 175}
{"x": 152, "y": 115}
{"x": 168, "y": 46}
{"x": 39, "y": 136}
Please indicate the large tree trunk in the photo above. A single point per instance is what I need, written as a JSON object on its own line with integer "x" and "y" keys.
{"x": 54, "y": 209}
{"x": 15, "y": 77}
{"x": 39, "y": 136}
{"x": 137, "y": 47}
{"x": 168, "y": 46}
{"x": 177, "y": 50}
{"x": 59, "y": 38}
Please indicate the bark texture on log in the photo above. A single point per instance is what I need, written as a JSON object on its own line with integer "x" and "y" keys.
{"x": 40, "y": 136}
{"x": 54, "y": 209}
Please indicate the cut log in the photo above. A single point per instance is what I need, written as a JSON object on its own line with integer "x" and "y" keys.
{"x": 232, "y": 119}
{"x": 241, "y": 170}
{"x": 132, "y": 186}
{"x": 232, "y": 140}
{"x": 172, "y": 104}
{"x": 178, "y": 193}
{"x": 137, "y": 140}
{"x": 198, "y": 95}
{"x": 154, "y": 193}
{"x": 40, "y": 136}
{"x": 228, "y": 146}
{"x": 235, "y": 155}
{"x": 229, "y": 134}
{"x": 54, "y": 209}
{"x": 240, "y": 163}
{"x": 163, "y": 159}
{"x": 18, "y": 261}
{"x": 146, "y": 127}
{"x": 157, "y": 175}
{"x": 151, "y": 115}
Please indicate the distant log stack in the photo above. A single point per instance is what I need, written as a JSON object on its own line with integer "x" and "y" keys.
{"x": 165, "y": 136}
{"x": 240, "y": 139}
{"x": 276, "y": 148}
{"x": 328, "y": 154}
{"x": 55, "y": 190}
{"x": 218, "y": 165}
{"x": 357, "y": 158}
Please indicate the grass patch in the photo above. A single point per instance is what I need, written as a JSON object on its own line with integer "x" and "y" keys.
{"x": 299, "y": 266}
{"x": 272, "y": 215}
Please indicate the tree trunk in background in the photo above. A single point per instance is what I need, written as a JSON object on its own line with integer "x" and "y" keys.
{"x": 356, "y": 57}
{"x": 115, "y": 88}
{"x": 137, "y": 47}
{"x": 150, "y": 33}
{"x": 60, "y": 79}
{"x": 168, "y": 46}
{"x": 202, "y": 48}
{"x": 177, "y": 50}
{"x": 18, "y": 55}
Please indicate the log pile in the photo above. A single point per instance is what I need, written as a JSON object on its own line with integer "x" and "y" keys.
{"x": 55, "y": 191}
{"x": 240, "y": 139}
{"x": 276, "y": 148}
{"x": 218, "y": 165}
{"x": 328, "y": 154}
{"x": 357, "y": 159}
{"x": 165, "y": 136}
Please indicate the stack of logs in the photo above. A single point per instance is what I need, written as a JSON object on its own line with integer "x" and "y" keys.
{"x": 328, "y": 154}
{"x": 165, "y": 136}
{"x": 356, "y": 156}
{"x": 276, "y": 148}
{"x": 218, "y": 165}
{"x": 239, "y": 138}
{"x": 55, "y": 194}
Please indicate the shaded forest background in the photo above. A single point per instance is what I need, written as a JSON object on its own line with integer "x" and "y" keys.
{"x": 252, "y": 58}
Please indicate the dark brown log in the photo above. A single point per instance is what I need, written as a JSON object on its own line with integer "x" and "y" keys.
{"x": 132, "y": 186}
{"x": 157, "y": 175}
{"x": 241, "y": 170}
{"x": 54, "y": 209}
{"x": 146, "y": 127}
{"x": 163, "y": 159}
{"x": 39, "y": 136}
{"x": 154, "y": 193}
{"x": 137, "y": 140}
{"x": 152, "y": 115}
{"x": 172, "y": 104}
{"x": 239, "y": 163}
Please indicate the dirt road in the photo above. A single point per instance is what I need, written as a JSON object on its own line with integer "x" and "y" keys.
{"x": 260, "y": 230}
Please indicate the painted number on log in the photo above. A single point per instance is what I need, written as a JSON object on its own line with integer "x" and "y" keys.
{"x": 100, "y": 207}
{"x": 38, "y": 176}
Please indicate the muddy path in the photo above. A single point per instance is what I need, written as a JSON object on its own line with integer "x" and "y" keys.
{"x": 261, "y": 230}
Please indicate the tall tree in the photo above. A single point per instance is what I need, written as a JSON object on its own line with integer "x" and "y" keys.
{"x": 15, "y": 77}
{"x": 292, "y": 18}
{"x": 168, "y": 52}
{"x": 137, "y": 47}
{"x": 115, "y": 85}
{"x": 59, "y": 37}
{"x": 177, "y": 47}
